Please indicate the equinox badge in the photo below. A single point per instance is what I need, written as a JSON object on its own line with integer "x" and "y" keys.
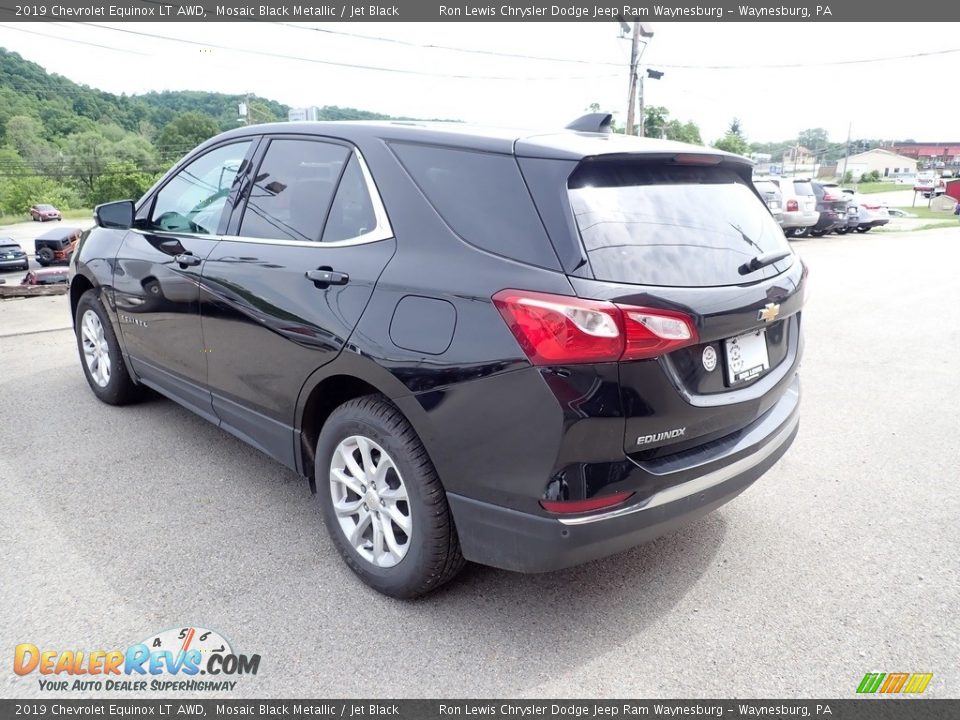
{"x": 668, "y": 435}
{"x": 769, "y": 312}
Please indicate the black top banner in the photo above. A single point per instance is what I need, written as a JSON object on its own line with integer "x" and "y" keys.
{"x": 479, "y": 11}
{"x": 913, "y": 709}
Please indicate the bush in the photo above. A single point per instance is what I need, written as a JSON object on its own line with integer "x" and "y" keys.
{"x": 18, "y": 194}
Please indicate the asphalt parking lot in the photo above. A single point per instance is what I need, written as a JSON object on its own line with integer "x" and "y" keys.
{"x": 117, "y": 523}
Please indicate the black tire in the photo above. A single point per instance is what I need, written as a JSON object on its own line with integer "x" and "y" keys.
{"x": 433, "y": 557}
{"x": 45, "y": 256}
{"x": 817, "y": 233}
{"x": 863, "y": 229}
{"x": 842, "y": 231}
{"x": 801, "y": 232}
{"x": 120, "y": 389}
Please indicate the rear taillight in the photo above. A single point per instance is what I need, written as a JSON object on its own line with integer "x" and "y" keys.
{"x": 827, "y": 197}
{"x": 562, "y": 330}
{"x": 579, "y": 506}
{"x": 792, "y": 206}
{"x": 870, "y": 207}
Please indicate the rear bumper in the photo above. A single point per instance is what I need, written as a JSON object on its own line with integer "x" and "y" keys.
{"x": 800, "y": 218}
{"x": 14, "y": 263}
{"x": 694, "y": 483}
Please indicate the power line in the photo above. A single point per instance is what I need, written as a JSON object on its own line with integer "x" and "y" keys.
{"x": 333, "y": 63}
{"x": 66, "y": 39}
{"x": 433, "y": 46}
{"x": 829, "y": 63}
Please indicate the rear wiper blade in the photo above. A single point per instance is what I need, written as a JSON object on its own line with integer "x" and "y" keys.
{"x": 761, "y": 261}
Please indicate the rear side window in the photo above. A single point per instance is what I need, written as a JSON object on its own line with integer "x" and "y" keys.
{"x": 351, "y": 213}
{"x": 293, "y": 190}
{"x": 482, "y": 198}
{"x": 676, "y": 225}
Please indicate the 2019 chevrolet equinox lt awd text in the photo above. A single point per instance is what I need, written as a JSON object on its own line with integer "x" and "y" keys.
{"x": 523, "y": 350}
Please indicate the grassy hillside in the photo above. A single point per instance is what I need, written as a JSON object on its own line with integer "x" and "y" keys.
{"x": 75, "y": 146}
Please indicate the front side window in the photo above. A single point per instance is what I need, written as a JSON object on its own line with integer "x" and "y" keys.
{"x": 293, "y": 189}
{"x": 193, "y": 200}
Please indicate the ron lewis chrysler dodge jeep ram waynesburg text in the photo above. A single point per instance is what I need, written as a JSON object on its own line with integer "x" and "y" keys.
{"x": 523, "y": 350}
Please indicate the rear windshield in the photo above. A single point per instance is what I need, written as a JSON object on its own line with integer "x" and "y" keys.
{"x": 765, "y": 187}
{"x": 684, "y": 226}
{"x": 802, "y": 188}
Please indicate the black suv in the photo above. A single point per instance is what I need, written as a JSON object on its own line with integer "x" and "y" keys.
{"x": 523, "y": 350}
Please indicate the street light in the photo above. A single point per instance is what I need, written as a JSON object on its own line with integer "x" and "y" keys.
{"x": 653, "y": 75}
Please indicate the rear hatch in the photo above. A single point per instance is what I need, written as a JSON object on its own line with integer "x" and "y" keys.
{"x": 833, "y": 200}
{"x": 687, "y": 237}
{"x": 803, "y": 191}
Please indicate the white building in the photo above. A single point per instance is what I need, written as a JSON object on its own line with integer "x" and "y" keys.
{"x": 888, "y": 164}
{"x": 301, "y": 114}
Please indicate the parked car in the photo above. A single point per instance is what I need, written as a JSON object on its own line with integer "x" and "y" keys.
{"x": 866, "y": 214}
{"x": 527, "y": 351}
{"x": 43, "y": 212}
{"x": 12, "y": 256}
{"x": 46, "y": 276}
{"x": 898, "y": 213}
{"x": 771, "y": 195}
{"x": 832, "y": 206}
{"x": 799, "y": 206}
{"x": 56, "y": 246}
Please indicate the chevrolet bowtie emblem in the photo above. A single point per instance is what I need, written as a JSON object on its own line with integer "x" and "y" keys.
{"x": 769, "y": 312}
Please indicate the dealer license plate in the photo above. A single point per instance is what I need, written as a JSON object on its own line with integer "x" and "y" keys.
{"x": 747, "y": 356}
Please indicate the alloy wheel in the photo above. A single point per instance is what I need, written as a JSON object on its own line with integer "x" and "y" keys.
{"x": 96, "y": 352}
{"x": 370, "y": 501}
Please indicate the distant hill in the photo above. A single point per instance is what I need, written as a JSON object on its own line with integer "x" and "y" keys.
{"x": 75, "y": 146}
{"x": 65, "y": 107}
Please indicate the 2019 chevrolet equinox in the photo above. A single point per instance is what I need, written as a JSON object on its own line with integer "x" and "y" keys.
{"x": 523, "y": 350}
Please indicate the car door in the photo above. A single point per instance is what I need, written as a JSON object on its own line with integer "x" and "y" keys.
{"x": 289, "y": 282}
{"x": 157, "y": 272}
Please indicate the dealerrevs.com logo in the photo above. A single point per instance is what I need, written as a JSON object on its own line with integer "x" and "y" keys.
{"x": 180, "y": 659}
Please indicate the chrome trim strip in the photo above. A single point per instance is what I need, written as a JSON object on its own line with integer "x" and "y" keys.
{"x": 692, "y": 487}
{"x": 382, "y": 230}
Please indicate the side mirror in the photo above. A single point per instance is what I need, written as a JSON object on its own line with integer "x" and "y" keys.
{"x": 117, "y": 215}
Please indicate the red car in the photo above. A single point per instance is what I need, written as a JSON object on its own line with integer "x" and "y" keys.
{"x": 42, "y": 213}
{"x": 46, "y": 276}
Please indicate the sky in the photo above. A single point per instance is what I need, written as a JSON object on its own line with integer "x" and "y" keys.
{"x": 902, "y": 98}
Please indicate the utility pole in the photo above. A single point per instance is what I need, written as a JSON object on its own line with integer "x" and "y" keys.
{"x": 632, "y": 95}
{"x": 846, "y": 154}
{"x": 645, "y": 30}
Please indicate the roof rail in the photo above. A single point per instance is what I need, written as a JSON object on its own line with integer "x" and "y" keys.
{"x": 592, "y": 122}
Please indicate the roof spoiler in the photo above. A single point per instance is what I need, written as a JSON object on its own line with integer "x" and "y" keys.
{"x": 592, "y": 122}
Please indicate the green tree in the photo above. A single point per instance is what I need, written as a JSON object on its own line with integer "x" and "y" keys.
{"x": 18, "y": 194}
{"x": 121, "y": 181}
{"x": 732, "y": 143}
{"x": 90, "y": 153}
{"x": 813, "y": 138}
{"x": 655, "y": 120}
{"x": 185, "y": 132}
{"x": 687, "y": 132}
{"x": 25, "y": 135}
{"x": 736, "y": 128}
